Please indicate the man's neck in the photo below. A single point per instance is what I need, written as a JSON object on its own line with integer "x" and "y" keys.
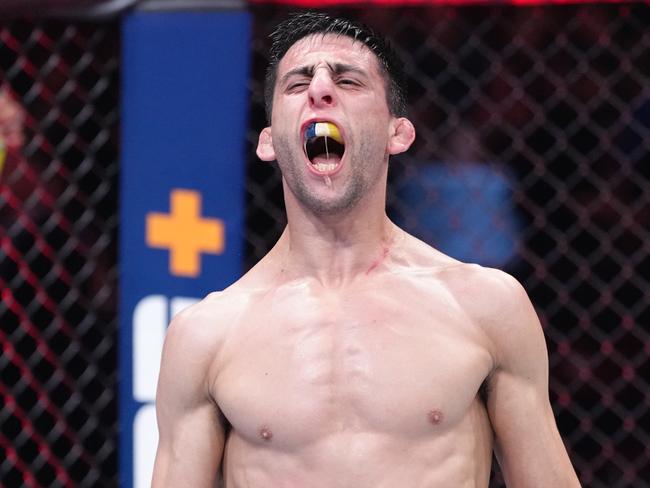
{"x": 335, "y": 249}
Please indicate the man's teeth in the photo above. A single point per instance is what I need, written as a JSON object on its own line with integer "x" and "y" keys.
{"x": 325, "y": 166}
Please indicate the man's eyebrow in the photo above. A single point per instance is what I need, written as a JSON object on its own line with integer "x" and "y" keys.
{"x": 308, "y": 70}
{"x": 341, "y": 68}
{"x": 299, "y": 71}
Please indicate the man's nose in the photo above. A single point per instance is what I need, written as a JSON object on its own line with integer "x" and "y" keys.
{"x": 322, "y": 90}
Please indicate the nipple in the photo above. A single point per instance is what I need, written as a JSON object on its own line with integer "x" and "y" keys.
{"x": 265, "y": 433}
{"x": 435, "y": 416}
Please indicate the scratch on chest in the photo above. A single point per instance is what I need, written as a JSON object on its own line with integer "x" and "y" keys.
{"x": 385, "y": 251}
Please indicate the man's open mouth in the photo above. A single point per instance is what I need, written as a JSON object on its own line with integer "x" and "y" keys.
{"x": 324, "y": 146}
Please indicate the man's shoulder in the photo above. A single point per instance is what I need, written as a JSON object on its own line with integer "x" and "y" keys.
{"x": 481, "y": 292}
{"x": 461, "y": 276}
{"x": 496, "y": 304}
{"x": 490, "y": 297}
{"x": 480, "y": 282}
{"x": 204, "y": 324}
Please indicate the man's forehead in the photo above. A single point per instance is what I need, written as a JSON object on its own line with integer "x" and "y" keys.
{"x": 335, "y": 47}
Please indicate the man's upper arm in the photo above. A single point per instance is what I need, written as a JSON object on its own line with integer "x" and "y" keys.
{"x": 191, "y": 433}
{"x": 528, "y": 444}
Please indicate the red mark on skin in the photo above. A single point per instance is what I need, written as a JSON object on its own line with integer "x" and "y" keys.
{"x": 435, "y": 417}
{"x": 378, "y": 261}
{"x": 265, "y": 433}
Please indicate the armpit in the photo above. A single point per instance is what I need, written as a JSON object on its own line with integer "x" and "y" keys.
{"x": 484, "y": 390}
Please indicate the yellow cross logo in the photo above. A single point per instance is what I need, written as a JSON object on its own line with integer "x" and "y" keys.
{"x": 185, "y": 233}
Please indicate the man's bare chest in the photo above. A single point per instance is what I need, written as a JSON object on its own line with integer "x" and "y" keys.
{"x": 305, "y": 366}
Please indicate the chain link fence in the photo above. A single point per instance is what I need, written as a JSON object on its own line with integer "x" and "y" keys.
{"x": 532, "y": 155}
{"x": 58, "y": 271}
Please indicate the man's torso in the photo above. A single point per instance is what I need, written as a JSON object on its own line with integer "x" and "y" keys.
{"x": 371, "y": 384}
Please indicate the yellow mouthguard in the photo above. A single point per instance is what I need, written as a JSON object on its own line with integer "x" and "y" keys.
{"x": 327, "y": 129}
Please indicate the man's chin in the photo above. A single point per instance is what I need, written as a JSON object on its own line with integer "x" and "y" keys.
{"x": 327, "y": 203}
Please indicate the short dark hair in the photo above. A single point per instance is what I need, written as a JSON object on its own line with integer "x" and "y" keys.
{"x": 301, "y": 25}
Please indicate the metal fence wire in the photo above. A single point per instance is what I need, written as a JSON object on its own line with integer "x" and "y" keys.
{"x": 58, "y": 271}
{"x": 532, "y": 155}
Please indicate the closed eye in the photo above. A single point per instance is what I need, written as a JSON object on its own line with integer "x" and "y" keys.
{"x": 347, "y": 81}
{"x": 297, "y": 86}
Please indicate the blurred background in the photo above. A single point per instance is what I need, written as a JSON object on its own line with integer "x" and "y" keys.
{"x": 533, "y": 156}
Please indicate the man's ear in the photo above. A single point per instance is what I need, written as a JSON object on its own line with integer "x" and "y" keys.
{"x": 265, "y": 149}
{"x": 403, "y": 135}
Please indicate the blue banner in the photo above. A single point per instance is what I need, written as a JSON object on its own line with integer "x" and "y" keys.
{"x": 184, "y": 106}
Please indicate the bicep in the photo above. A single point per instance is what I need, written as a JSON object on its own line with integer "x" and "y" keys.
{"x": 528, "y": 444}
{"x": 189, "y": 450}
{"x": 191, "y": 434}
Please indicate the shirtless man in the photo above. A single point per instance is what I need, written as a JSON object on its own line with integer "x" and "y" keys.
{"x": 353, "y": 355}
